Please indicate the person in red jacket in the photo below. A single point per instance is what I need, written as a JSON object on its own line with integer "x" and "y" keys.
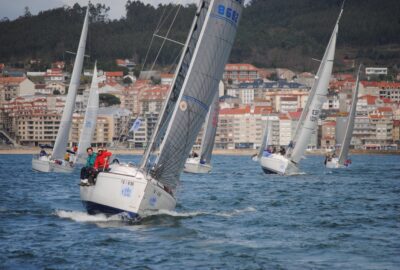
{"x": 102, "y": 160}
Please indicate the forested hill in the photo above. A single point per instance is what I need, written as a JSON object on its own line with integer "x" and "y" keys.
{"x": 272, "y": 33}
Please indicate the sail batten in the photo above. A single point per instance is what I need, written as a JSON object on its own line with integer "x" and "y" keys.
{"x": 89, "y": 122}
{"x": 200, "y": 84}
{"x": 344, "y": 151}
{"x": 66, "y": 119}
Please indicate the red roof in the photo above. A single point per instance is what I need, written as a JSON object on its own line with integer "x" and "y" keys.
{"x": 242, "y": 110}
{"x": 114, "y": 74}
{"x": 384, "y": 109}
{"x": 262, "y": 110}
{"x": 370, "y": 99}
{"x": 284, "y": 117}
{"x": 381, "y": 84}
{"x": 11, "y": 79}
{"x": 295, "y": 115}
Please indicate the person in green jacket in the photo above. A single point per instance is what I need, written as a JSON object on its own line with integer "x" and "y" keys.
{"x": 88, "y": 169}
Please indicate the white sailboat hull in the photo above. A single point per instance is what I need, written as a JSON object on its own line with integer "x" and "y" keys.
{"x": 61, "y": 168}
{"x": 125, "y": 190}
{"x": 278, "y": 164}
{"x": 334, "y": 164}
{"x": 193, "y": 165}
{"x": 44, "y": 164}
{"x": 41, "y": 165}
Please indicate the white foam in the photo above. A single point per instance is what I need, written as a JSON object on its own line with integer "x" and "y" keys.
{"x": 79, "y": 216}
{"x": 232, "y": 213}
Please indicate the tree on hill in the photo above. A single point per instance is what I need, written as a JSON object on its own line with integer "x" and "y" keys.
{"x": 107, "y": 100}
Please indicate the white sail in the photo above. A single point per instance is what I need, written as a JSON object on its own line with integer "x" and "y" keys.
{"x": 265, "y": 139}
{"x": 89, "y": 122}
{"x": 210, "y": 130}
{"x": 350, "y": 123}
{"x": 195, "y": 85}
{"x": 318, "y": 98}
{"x": 66, "y": 119}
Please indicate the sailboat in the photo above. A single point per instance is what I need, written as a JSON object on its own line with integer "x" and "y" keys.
{"x": 56, "y": 163}
{"x": 288, "y": 164}
{"x": 202, "y": 164}
{"x": 89, "y": 122}
{"x": 266, "y": 140}
{"x": 342, "y": 160}
{"x": 137, "y": 191}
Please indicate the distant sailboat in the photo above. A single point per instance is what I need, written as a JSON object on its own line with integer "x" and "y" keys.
{"x": 139, "y": 191}
{"x": 56, "y": 161}
{"x": 266, "y": 140}
{"x": 343, "y": 161}
{"x": 202, "y": 164}
{"x": 288, "y": 164}
{"x": 89, "y": 122}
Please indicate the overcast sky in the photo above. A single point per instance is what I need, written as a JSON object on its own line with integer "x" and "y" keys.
{"x": 14, "y": 8}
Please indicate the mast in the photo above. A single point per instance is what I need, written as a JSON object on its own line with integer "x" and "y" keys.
{"x": 344, "y": 151}
{"x": 217, "y": 22}
{"x": 66, "y": 119}
{"x": 89, "y": 122}
{"x": 309, "y": 123}
{"x": 176, "y": 87}
{"x": 210, "y": 130}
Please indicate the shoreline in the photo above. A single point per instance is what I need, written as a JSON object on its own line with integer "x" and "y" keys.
{"x": 229, "y": 152}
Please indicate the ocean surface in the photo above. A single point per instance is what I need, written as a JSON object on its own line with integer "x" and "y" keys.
{"x": 237, "y": 217}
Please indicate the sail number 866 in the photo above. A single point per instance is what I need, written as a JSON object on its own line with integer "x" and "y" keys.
{"x": 228, "y": 13}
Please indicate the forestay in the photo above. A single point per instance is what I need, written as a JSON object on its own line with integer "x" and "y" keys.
{"x": 319, "y": 96}
{"x": 210, "y": 130}
{"x": 350, "y": 123}
{"x": 66, "y": 119}
{"x": 89, "y": 122}
{"x": 218, "y": 24}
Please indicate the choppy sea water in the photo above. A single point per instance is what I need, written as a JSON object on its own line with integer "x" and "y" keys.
{"x": 237, "y": 217}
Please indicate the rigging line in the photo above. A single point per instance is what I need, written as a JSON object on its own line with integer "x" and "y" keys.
{"x": 163, "y": 19}
{"x": 152, "y": 39}
{"x": 169, "y": 29}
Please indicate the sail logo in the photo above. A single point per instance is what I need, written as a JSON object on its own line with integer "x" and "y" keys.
{"x": 228, "y": 14}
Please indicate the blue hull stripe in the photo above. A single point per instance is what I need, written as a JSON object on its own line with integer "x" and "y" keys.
{"x": 268, "y": 171}
{"x": 96, "y": 208}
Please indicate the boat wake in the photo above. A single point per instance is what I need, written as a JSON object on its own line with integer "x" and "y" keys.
{"x": 79, "y": 216}
{"x": 191, "y": 214}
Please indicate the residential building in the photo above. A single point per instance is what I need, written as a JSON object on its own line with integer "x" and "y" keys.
{"x": 240, "y": 73}
{"x": 12, "y": 87}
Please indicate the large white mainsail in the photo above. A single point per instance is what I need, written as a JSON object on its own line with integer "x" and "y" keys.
{"x": 66, "y": 119}
{"x": 210, "y": 130}
{"x": 350, "y": 123}
{"x": 318, "y": 97}
{"x": 89, "y": 122}
{"x": 208, "y": 52}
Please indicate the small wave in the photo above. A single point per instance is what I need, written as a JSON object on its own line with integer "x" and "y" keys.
{"x": 237, "y": 212}
{"x": 84, "y": 217}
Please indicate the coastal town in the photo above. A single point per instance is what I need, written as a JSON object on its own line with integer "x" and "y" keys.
{"x": 31, "y": 104}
